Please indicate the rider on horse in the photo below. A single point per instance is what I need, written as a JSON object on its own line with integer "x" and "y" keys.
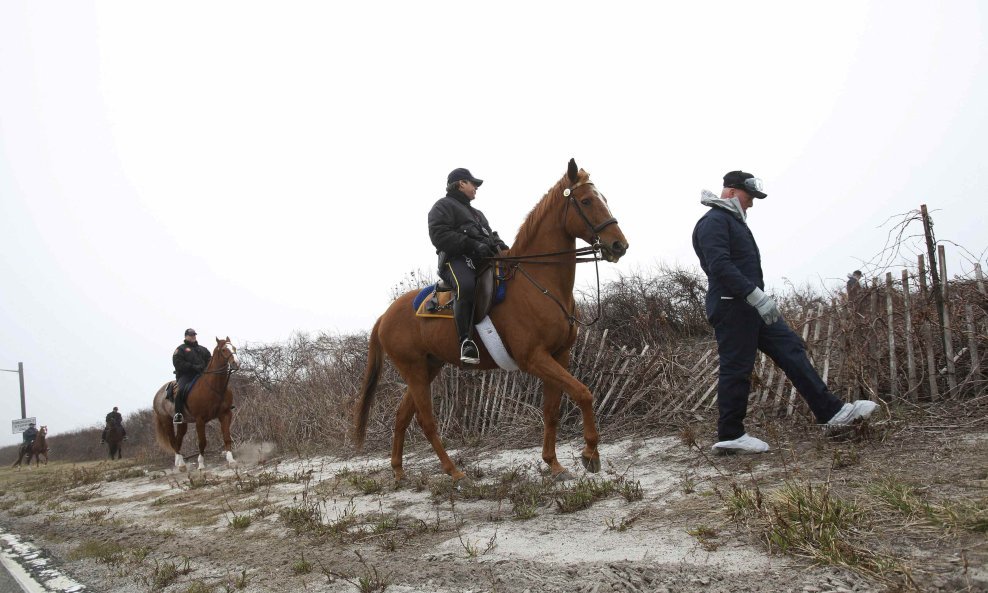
{"x": 113, "y": 417}
{"x": 190, "y": 360}
{"x": 29, "y": 435}
{"x": 462, "y": 236}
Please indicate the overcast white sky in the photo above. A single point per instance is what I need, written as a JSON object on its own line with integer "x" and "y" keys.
{"x": 239, "y": 167}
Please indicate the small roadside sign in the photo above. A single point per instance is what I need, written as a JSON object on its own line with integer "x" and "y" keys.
{"x": 21, "y": 424}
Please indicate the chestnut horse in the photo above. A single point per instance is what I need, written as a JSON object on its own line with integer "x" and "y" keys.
{"x": 114, "y": 438}
{"x": 37, "y": 448}
{"x": 209, "y": 398}
{"x": 536, "y": 322}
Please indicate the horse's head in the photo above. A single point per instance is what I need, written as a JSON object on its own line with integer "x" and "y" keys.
{"x": 589, "y": 218}
{"x": 43, "y": 431}
{"x": 227, "y": 353}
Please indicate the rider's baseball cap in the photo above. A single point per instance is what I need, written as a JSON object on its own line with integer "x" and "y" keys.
{"x": 745, "y": 181}
{"x": 190, "y": 332}
{"x": 462, "y": 175}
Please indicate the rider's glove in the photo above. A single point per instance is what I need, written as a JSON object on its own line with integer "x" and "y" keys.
{"x": 483, "y": 250}
{"x": 765, "y": 304}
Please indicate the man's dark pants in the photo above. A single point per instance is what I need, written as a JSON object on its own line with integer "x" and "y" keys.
{"x": 459, "y": 272}
{"x": 740, "y": 333}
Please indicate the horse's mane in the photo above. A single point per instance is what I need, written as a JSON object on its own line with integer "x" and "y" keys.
{"x": 533, "y": 222}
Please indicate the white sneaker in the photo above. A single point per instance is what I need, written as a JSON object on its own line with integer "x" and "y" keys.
{"x": 861, "y": 408}
{"x": 743, "y": 444}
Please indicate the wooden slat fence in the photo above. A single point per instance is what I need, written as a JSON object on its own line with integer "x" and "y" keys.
{"x": 865, "y": 345}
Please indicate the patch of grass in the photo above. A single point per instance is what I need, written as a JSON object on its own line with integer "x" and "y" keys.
{"x": 96, "y": 515}
{"x": 240, "y": 521}
{"x": 704, "y": 536}
{"x": 102, "y": 552}
{"x": 583, "y": 494}
{"x": 24, "y": 511}
{"x": 971, "y": 515}
{"x": 631, "y": 491}
{"x": 163, "y": 575}
{"x": 368, "y": 581}
{"x": 302, "y": 566}
{"x": 200, "y": 587}
{"x": 365, "y": 484}
{"x": 812, "y": 522}
{"x": 304, "y": 516}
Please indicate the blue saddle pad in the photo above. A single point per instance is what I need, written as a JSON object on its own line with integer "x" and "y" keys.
{"x": 421, "y": 296}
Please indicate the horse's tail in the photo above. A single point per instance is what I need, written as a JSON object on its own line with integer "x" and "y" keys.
{"x": 371, "y": 375}
{"x": 163, "y": 431}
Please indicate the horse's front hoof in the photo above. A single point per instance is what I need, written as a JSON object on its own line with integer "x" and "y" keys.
{"x": 563, "y": 476}
{"x": 591, "y": 464}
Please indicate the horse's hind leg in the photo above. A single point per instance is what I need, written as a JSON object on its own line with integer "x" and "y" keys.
{"x": 419, "y": 383}
{"x": 402, "y": 419}
{"x": 176, "y": 440}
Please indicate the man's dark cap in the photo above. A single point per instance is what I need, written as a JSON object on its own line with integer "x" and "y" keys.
{"x": 736, "y": 180}
{"x": 462, "y": 175}
{"x": 114, "y": 408}
{"x": 190, "y": 332}
{"x": 31, "y": 424}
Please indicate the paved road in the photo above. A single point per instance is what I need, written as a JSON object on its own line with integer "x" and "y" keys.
{"x": 7, "y": 583}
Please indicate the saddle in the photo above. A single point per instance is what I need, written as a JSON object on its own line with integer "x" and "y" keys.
{"x": 437, "y": 300}
{"x": 179, "y": 397}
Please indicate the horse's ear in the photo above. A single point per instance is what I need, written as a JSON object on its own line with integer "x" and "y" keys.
{"x": 228, "y": 339}
{"x": 217, "y": 341}
{"x": 572, "y": 172}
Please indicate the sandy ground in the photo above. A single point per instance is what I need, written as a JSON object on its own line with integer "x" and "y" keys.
{"x": 121, "y": 527}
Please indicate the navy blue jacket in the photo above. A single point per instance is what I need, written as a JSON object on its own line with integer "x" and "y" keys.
{"x": 728, "y": 255}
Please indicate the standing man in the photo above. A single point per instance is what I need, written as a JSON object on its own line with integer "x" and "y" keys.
{"x": 462, "y": 237}
{"x": 746, "y": 320}
{"x": 112, "y": 417}
{"x": 190, "y": 360}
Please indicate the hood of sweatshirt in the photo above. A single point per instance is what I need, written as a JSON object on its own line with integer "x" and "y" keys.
{"x": 732, "y": 205}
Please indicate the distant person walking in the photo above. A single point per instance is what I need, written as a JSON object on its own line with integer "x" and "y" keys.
{"x": 854, "y": 286}
{"x": 746, "y": 320}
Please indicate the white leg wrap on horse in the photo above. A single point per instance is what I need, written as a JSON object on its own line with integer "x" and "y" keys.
{"x": 229, "y": 457}
{"x": 179, "y": 461}
{"x": 202, "y": 462}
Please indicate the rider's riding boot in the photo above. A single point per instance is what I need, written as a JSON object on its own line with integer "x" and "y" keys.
{"x": 463, "y": 316}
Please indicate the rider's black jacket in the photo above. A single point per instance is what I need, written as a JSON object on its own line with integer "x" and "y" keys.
{"x": 30, "y": 434}
{"x": 115, "y": 417}
{"x": 457, "y": 228}
{"x": 190, "y": 359}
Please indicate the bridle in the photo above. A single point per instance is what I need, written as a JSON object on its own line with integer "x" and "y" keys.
{"x": 227, "y": 370}
{"x": 594, "y": 248}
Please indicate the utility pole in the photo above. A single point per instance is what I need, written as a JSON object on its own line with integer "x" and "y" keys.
{"x": 20, "y": 373}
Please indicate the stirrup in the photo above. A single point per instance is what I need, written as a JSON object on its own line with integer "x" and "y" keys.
{"x": 469, "y": 354}
{"x": 178, "y": 419}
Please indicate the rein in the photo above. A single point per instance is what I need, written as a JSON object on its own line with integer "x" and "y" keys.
{"x": 517, "y": 260}
{"x": 227, "y": 370}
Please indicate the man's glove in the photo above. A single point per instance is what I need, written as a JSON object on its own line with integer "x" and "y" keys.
{"x": 765, "y": 304}
{"x": 483, "y": 250}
